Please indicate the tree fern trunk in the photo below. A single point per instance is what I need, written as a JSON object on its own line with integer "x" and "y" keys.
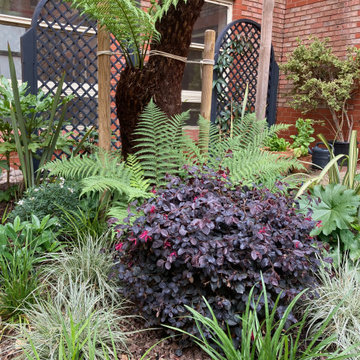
{"x": 161, "y": 77}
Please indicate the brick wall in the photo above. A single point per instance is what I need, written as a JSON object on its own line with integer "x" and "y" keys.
{"x": 338, "y": 20}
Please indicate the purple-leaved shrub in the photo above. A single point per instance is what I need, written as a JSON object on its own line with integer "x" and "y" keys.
{"x": 203, "y": 237}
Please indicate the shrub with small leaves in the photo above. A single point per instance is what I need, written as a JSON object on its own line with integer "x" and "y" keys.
{"x": 47, "y": 199}
{"x": 204, "y": 237}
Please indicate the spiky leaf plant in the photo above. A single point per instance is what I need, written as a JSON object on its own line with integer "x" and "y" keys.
{"x": 340, "y": 285}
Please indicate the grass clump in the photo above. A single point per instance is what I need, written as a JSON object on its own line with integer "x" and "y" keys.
{"x": 72, "y": 324}
{"x": 89, "y": 261}
{"x": 339, "y": 286}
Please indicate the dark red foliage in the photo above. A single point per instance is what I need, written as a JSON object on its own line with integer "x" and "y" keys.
{"x": 203, "y": 237}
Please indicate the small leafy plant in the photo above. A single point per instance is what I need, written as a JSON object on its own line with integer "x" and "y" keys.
{"x": 22, "y": 248}
{"x": 49, "y": 198}
{"x": 303, "y": 138}
{"x": 334, "y": 208}
{"x": 276, "y": 143}
{"x": 204, "y": 237}
{"x": 41, "y": 235}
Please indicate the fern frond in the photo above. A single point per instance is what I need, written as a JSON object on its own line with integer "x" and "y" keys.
{"x": 160, "y": 143}
{"x": 101, "y": 184}
{"x": 137, "y": 173}
{"x": 255, "y": 166}
{"x": 127, "y": 21}
{"x": 80, "y": 167}
{"x": 164, "y": 8}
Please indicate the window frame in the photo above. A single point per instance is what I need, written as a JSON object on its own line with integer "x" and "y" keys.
{"x": 193, "y": 96}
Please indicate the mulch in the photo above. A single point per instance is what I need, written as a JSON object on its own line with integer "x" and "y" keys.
{"x": 141, "y": 340}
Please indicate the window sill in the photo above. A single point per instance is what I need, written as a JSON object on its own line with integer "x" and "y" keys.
{"x": 15, "y": 20}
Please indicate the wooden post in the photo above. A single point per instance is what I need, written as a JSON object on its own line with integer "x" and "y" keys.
{"x": 206, "y": 90}
{"x": 264, "y": 59}
{"x": 104, "y": 102}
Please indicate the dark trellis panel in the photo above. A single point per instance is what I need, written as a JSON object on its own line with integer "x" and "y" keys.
{"x": 62, "y": 40}
{"x": 243, "y": 70}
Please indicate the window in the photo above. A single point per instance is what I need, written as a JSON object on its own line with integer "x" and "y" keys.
{"x": 214, "y": 15}
{"x": 15, "y": 18}
{"x": 23, "y": 8}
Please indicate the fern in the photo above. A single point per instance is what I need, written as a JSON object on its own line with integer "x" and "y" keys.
{"x": 79, "y": 167}
{"x": 131, "y": 25}
{"x": 160, "y": 143}
{"x": 137, "y": 173}
{"x": 103, "y": 173}
{"x": 101, "y": 184}
{"x": 241, "y": 154}
{"x": 165, "y": 148}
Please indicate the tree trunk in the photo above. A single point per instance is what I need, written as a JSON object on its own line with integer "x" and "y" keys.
{"x": 161, "y": 77}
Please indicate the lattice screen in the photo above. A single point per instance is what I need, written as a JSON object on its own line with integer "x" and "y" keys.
{"x": 240, "y": 44}
{"x": 61, "y": 40}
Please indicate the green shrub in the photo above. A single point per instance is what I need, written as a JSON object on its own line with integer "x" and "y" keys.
{"x": 62, "y": 199}
{"x": 319, "y": 77}
{"x": 50, "y": 198}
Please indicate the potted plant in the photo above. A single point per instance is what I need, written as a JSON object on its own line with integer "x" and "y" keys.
{"x": 302, "y": 141}
{"x": 280, "y": 146}
{"x": 320, "y": 78}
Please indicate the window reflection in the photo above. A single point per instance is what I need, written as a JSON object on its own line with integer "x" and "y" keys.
{"x": 212, "y": 17}
{"x": 24, "y": 8}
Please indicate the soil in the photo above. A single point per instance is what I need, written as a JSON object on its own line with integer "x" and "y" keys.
{"x": 168, "y": 349}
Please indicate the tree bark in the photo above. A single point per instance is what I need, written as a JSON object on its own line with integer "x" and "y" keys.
{"x": 161, "y": 77}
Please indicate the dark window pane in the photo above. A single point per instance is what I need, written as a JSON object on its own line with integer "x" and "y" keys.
{"x": 24, "y": 8}
{"x": 212, "y": 17}
{"x": 192, "y": 79}
{"x": 194, "y": 112}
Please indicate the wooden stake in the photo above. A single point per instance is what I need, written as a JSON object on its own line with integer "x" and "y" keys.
{"x": 206, "y": 90}
{"x": 104, "y": 102}
{"x": 264, "y": 59}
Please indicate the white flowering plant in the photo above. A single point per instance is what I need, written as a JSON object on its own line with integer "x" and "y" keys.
{"x": 49, "y": 199}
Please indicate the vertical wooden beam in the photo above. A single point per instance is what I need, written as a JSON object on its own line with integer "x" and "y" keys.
{"x": 206, "y": 89}
{"x": 264, "y": 59}
{"x": 104, "y": 102}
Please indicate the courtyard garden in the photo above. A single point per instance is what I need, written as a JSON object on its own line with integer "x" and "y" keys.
{"x": 231, "y": 247}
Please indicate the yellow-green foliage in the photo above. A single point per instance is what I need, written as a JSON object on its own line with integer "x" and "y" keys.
{"x": 319, "y": 77}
